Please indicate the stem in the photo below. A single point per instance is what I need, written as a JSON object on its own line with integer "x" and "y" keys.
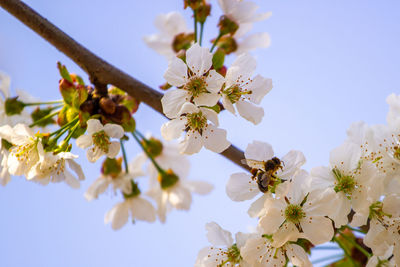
{"x": 195, "y": 26}
{"x": 72, "y": 132}
{"x": 159, "y": 169}
{"x": 65, "y": 126}
{"x": 44, "y": 103}
{"x": 215, "y": 42}
{"x": 355, "y": 229}
{"x": 331, "y": 257}
{"x": 344, "y": 250}
{"x": 124, "y": 155}
{"x": 201, "y": 32}
{"x": 140, "y": 134}
{"x": 354, "y": 243}
{"x": 97, "y": 69}
{"x": 43, "y": 119}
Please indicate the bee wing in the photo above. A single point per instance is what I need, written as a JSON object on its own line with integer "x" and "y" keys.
{"x": 265, "y": 179}
{"x": 254, "y": 163}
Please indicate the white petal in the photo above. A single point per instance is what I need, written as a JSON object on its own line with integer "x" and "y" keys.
{"x": 171, "y": 23}
{"x": 114, "y": 130}
{"x": 98, "y": 187}
{"x": 142, "y": 210}
{"x": 94, "y": 153}
{"x": 297, "y": 256}
{"x": 200, "y": 187}
{"x": 260, "y": 151}
{"x": 118, "y": 215}
{"x": 84, "y": 141}
{"x": 188, "y": 108}
{"x": 228, "y": 104}
{"x": 345, "y": 157}
{"x": 214, "y": 81}
{"x": 211, "y": 115}
{"x": 317, "y": 229}
{"x": 259, "y": 87}
{"x": 94, "y": 126}
{"x": 192, "y": 143}
{"x": 172, "y": 102}
{"x": 215, "y": 139}
{"x": 247, "y": 65}
{"x": 250, "y": 112}
{"x": 218, "y": 236}
{"x": 271, "y": 221}
{"x": 286, "y": 233}
{"x": 257, "y": 208}
{"x": 113, "y": 149}
{"x": 173, "y": 129}
{"x": 76, "y": 168}
{"x": 241, "y": 187}
{"x": 180, "y": 197}
{"x": 207, "y": 99}
{"x": 293, "y": 161}
{"x": 254, "y": 41}
{"x": 176, "y": 73}
{"x": 71, "y": 180}
{"x": 198, "y": 59}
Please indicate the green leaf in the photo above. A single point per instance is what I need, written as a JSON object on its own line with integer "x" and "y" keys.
{"x": 218, "y": 59}
{"x": 64, "y": 72}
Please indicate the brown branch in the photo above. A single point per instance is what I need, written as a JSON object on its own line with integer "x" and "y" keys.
{"x": 99, "y": 71}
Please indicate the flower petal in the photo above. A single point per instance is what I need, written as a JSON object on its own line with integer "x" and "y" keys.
{"x": 118, "y": 215}
{"x": 253, "y": 41}
{"x": 214, "y": 81}
{"x": 113, "y": 149}
{"x": 198, "y": 59}
{"x": 260, "y": 151}
{"x": 250, "y": 112}
{"x": 215, "y": 139}
{"x": 84, "y": 141}
{"x": 241, "y": 187}
{"x": 94, "y": 126}
{"x": 192, "y": 143}
{"x": 317, "y": 229}
{"x": 114, "y": 130}
{"x": 142, "y": 210}
{"x": 172, "y": 102}
{"x": 259, "y": 87}
{"x": 173, "y": 129}
{"x": 176, "y": 73}
{"x": 217, "y": 236}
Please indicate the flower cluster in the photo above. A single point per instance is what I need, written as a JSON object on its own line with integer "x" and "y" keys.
{"x": 204, "y": 85}
{"x": 358, "y": 191}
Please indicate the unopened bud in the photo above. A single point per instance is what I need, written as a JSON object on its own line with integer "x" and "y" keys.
{"x": 13, "y": 106}
{"x": 153, "y": 146}
{"x": 182, "y": 41}
{"x": 111, "y": 167}
{"x": 202, "y": 12}
{"x": 167, "y": 179}
{"x": 227, "y": 25}
{"x": 193, "y": 4}
{"x": 227, "y": 44}
{"x": 107, "y": 105}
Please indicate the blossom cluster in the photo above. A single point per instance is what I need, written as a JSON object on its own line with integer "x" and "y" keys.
{"x": 204, "y": 85}
{"x": 296, "y": 210}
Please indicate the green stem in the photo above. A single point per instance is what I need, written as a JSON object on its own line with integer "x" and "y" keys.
{"x": 215, "y": 42}
{"x": 201, "y": 32}
{"x": 159, "y": 169}
{"x": 331, "y": 257}
{"x": 44, "y": 119}
{"x": 195, "y": 26}
{"x": 140, "y": 134}
{"x": 72, "y": 132}
{"x": 44, "y": 103}
{"x": 355, "y": 229}
{"x": 68, "y": 125}
{"x": 124, "y": 156}
{"x": 354, "y": 243}
{"x": 344, "y": 250}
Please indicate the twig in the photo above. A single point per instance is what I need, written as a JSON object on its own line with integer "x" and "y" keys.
{"x": 99, "y": 71}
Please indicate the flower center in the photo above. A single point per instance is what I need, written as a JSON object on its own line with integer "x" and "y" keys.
{"x": 135, "y": 191}
{"x": 294, "y": 213}
{"x": 196, "y": 121}
{"x": 344, "y": 183}
{"x": 101, "y": 140}
{"x": 396, "y": 152}
{"x": 196, "y": 86}
{"x": 233, "y": 254}
{"x": 22, "y": 152}
{"x": 167, "y": 179}
{"x": 234, "y": 93}
{"x": 59, "y": 166}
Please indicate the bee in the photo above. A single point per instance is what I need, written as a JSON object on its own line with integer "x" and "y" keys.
{"x": 264, "y": 171}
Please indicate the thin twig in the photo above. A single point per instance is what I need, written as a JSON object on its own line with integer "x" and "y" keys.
{"x": 99, "y": 71}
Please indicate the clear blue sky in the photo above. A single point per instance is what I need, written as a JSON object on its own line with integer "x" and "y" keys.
{"x": 332, "y": 63}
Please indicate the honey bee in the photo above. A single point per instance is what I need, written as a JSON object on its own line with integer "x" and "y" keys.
{"x": 264, "y": 171}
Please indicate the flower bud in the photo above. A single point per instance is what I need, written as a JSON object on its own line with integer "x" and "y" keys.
{"x": 227, "y": 44}
{"x": 13, "y": 106}
{"x": 193, "y": 4}
{"x": 67, "y": 90}
{"x": 153, "y": 146}
{"x": 182, "y": 41}
{"x": 111, "y": 167}
{"x": 107, "y": 105}
{"x": 167, "y": 179}
{"x": 202, "y": 12}
{"x": 227, "y": 26}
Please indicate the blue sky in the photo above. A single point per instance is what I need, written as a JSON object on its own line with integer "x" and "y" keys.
{"x": 332, "y": 63}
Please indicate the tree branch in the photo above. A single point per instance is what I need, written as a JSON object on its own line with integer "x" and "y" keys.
{"x": 98, "y": 69}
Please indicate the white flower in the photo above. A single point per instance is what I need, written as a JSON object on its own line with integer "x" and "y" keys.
{"x": 252, "y": 42}
{"x": 55, "y": 168}
{"x": 393, "y": 116}
{"x": 121, "y": 181}
{"x": 99, "y": 138}
{"x": 4, "y": 174}
{"x": 243, "y": 186}
{"x": 243, "y": 13}
{"x": 24, "y": 152}
{"x": 134, "y": 206}
{"x": 199, "y": 132}
{"x": 356, "y": 183}
{"x": 243, "y": 91}
{"x": 170, "y": 26}
{"x": 224, "y": 251}
{"x": 258, "y": 251}
{"x": 299, "y": 213}
{"x": 189, "y": 76}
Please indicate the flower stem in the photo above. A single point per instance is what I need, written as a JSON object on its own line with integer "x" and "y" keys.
{"x": 159, "y": 169}
{"x": 344, "y": 250}
{"x": 195, "y": 26}
{"x": 215, "y": 42}
{"x": 201, "y": 32}
{"x": 124, "y": 156}
{"x": 355, "y": 229}
{"x": 72, "y": 132}
{"x": 44, "y": 119}
{"x": 44, "y": 103}
{"x": 354, "y": 243}
{"x": 68, "y": 125}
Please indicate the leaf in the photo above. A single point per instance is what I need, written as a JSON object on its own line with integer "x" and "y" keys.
{"x": 64, "y": 72}
{"x": 218, "y": 59}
